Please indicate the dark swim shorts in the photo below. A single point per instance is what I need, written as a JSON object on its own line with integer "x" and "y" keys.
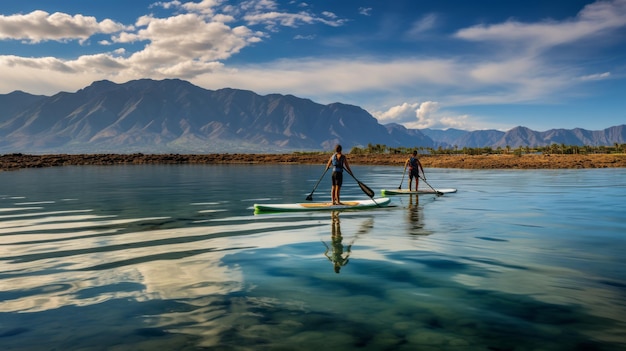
{"x": 337, "y": 178}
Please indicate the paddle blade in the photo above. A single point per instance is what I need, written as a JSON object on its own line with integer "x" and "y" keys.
{"x": 310, "y": 197}
{"x": 369, "y": 192}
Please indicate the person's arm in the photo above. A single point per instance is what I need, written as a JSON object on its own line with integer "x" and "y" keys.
{"x": 330, "y": 162}
{"x": 419, "y": 163}
{"x": 346, "y": 164}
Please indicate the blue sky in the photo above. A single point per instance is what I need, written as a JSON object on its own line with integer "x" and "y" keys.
{"x": 484, "y": 64}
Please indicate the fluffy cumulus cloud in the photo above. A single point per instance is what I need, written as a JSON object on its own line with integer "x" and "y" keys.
{"x": 39, "y": 26}
{"x": 430, "y": 115}
{"x": 170, "y": 45}
{"x": 398, "y": 114}
{"x": 424, "y": 115}
{"x": 413, "y": 115}
{"x": 167, "y": 48}
{"x": 425, "y": 110}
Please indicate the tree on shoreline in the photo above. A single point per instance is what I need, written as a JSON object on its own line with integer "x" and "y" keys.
{"x": 488, "y": 150}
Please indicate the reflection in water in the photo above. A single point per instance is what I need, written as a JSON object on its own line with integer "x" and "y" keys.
{"x": 337, "y": 252}
{"x": 54, "y": 259}
{"x": 153, "y": 263}
{"x": 416, "y": 217}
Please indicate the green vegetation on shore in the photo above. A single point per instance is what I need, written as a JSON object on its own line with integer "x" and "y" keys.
{"x": 551, "y": 149}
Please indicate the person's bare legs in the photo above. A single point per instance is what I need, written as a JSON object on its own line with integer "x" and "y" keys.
{"x": 338, "y": 195}
{"x": 336, "y": 191}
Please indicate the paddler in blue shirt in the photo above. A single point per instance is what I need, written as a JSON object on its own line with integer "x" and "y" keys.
{"x": 339, "y": 162}
{"x": 415, "y": 166}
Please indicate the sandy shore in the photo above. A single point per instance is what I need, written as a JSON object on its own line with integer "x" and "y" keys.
{"x": 18, "y": 161}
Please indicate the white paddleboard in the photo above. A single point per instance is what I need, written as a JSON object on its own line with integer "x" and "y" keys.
{"x": 322, "y": 206}
{"x": 386, "y": 192}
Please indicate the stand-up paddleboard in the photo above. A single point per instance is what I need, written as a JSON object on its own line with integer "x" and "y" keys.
{"x": 387, "y": 192}
{"x": 322, "y": 206}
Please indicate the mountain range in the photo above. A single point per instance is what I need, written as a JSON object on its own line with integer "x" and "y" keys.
{"x": 175, "y": 116}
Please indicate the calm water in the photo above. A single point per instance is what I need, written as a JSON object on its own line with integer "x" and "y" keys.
{"x": 173, "y": 258}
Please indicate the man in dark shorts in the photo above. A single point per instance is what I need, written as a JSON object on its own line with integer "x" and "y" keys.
{"x": 339, "y": 162}
{"x": 415, "y": 166}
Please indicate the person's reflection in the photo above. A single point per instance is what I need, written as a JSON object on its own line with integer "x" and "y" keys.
{"x": 414, "y": 212}
{"x": 415, "y": 216}
{"x": 337, "y": 253}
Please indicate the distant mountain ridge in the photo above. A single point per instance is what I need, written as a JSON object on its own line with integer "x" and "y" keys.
{"x": 522, "y": 136}
{"x": 175, "y": 116}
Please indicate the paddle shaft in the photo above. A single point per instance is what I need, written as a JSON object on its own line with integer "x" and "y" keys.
{"x": 439, "y": 193}
{"x": 403, "y": 173}
{"x": 310, "y": 197}
{"x": 369, "y": 192}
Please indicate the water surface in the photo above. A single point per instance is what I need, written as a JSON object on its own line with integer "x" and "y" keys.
{"x": 173, "y": 258}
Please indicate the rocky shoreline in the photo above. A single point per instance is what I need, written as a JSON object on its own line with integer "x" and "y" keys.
{"x": 10, "y": 162}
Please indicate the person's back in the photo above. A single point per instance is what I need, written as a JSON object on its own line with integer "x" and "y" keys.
{"x": 414, "y": 165}
{"x": 339, "y": 163}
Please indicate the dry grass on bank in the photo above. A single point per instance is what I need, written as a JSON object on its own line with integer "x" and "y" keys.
{"x": 502, "y": 161}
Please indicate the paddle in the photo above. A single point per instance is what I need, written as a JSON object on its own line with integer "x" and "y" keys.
{"x": 310, "y": 197}
{"x": 369, "y": 192}
{"x": 439, "y": 193}
{"x": 400, "y": 186}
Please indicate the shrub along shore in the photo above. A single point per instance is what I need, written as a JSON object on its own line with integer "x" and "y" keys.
{"x": 491, "y": 161}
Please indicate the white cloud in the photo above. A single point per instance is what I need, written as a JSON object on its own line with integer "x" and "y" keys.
{"x": 429, "y": 116}
{"x": 398, "y": 114}
{"x": 258, "y": 5}
{"x": 39, "y": 26}
{"x": 272, "y": 19}
{"x": 426, "y": 109}
{"x": 50, "y": 64}
{"x": 365, "y": 11}
{"x": 593, "y": 21}
{"x": 424, "y": 115}
{"x": 171, "y": 49}
{"x": 326, "y": 78}
{"x": 206, "y": 7}
{"x": 422, "y": 25}
{"x": 599, "y": 76}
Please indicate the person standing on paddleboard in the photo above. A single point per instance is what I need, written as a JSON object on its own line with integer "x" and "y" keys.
{"x": 415, "y": 166}
{"x": 339, "y": 161}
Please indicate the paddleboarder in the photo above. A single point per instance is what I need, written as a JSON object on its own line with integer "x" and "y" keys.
{"x": 415, "y": 166}
{"x": 339, "y": 162}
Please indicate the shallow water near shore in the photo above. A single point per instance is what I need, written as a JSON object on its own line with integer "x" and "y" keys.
{"x": 172, "y": 257}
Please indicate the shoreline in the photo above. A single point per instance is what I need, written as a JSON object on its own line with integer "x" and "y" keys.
{"x": 9, "y": 162}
